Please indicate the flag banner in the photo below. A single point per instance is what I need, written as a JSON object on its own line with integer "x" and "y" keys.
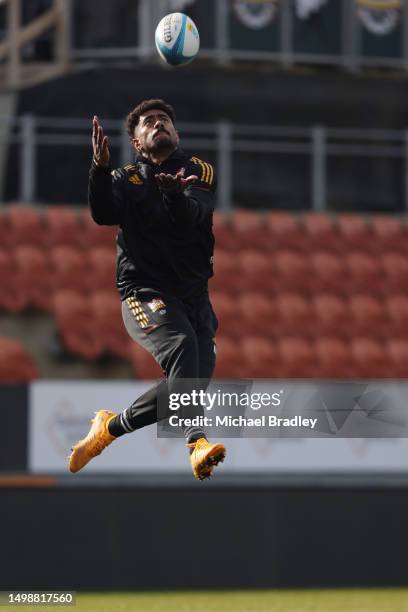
{"x": 379, "y": 17}
{"x": 304, "y": 8}
{"x": 256, "y": 14}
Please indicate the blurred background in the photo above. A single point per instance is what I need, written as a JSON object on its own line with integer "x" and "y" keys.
{"x": 301, "y": 105}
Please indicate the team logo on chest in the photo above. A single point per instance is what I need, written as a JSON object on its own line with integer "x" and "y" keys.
{"x": 135, "y": 179}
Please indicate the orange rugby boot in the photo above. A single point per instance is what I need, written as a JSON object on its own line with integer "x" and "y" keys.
{"x": 93, "y": 444}
{"x": 205, "y": 457}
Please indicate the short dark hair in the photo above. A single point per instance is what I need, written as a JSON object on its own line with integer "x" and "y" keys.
{"x": 133, "y": 117}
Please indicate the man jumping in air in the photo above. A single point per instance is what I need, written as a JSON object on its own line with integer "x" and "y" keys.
{"x": 163, "y": 205}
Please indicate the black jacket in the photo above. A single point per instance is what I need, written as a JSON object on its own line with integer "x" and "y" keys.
{"x": 164, "y": 241}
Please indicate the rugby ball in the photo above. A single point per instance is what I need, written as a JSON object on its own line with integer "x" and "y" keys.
{"x": 177, "y": 39}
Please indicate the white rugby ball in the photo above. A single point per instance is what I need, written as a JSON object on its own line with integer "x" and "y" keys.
{"x": 177, "y": 39}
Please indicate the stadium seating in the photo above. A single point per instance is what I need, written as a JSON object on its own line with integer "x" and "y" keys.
{"x": 257, "y": 272}
{"x": 16, "y": 366}
{"x": 397, "y": 350}
{"x": 368, "y": 317}
{"x": 62, "y": 226}
{"x": 102, "y": 268}
{"x": 371, "y": 359}
{"x": 389, "y": 234}
{"x": 12, "y": 297}
{"x": 363, "y": 274}
{"x": 331, "y": 315}
{"x": 250, "y": 230}
{"x": 227, "y": 272}
{"x": 334, "y": 358}
{"x": 226, "y": 307}
{"x": 327, "y": 273}
{"x": 302, "y": 296}
{"x": 397, "y": 310}
{"x": 105, "y": 312}
{"x": 26, "y": 227}
{"x": 34, "y": 277}
{"x": 297, "y": 358}
{"x": 93, "y": 235}
{"x": 394, "y": 266}
{"x": 144, "y": 366}
{"x": 256, "y": 315}
{"x": 294, "y": 315}
{"x": 320, "y": 232}
{"x": 260, "y": 358}
{"x": 70, "y": 268}
{"x": 355, "y": 233}
{"x": 76, "y": 324}
{"x": 285, "y": 232}
{"x": 292, "y": 271}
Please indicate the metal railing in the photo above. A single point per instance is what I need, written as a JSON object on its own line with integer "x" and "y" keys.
{"x": 222, "y": 142}
{"x": 224, "y": 48}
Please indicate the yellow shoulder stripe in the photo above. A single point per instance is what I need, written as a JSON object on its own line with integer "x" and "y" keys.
{"x": 207, "y": 174}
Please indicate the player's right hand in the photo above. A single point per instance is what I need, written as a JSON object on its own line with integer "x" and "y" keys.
{"x": 100, "y": 144}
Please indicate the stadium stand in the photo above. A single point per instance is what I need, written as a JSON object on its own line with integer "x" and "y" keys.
{"x": 310, "y": 295}
{"x": 16, "y": 366}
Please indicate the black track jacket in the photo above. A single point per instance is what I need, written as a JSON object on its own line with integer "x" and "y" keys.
{"x": 165, "y": 241}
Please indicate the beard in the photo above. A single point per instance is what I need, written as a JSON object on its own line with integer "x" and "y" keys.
{"x": 163, "y": 143}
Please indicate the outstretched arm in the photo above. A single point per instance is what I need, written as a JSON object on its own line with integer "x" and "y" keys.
{"x": 104, "y": 192}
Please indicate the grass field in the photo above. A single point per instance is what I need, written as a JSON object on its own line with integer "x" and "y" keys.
{"x": 347, "y": 600}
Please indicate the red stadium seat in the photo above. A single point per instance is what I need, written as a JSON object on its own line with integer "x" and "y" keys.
{"x": 363, "y": 274}
{"x": 298, "y": 358}
{"x": 225, "y": 238}
{"x": 102, "y": 271}
{"x": 390, "y": 234}
{"x": 397, "y": 310}
{"x": 250, "y": 230}
{"x": 285, "y": 231}
{"x": 26, "y": 227}
{"x": 355, "y": 233}
{"x": 294, "y": 315}
{"x": 397, "y": 349}
{"x": 227, "y": 272}
{"x": 12, "y": 297}
{"x": 108, "y": 325}
{"x": 62, "y": 226}
{"x": 369, "y": 317}
{"x": 229, "y": 362}
{"x": 144, "y": 365}
{"x": 292, "y": 272}
{"x": 371, "y": 358}
{"x": 320, "y": 232}
{"x": 395, "y": 267}
{"x": 334, "y": 358}
{"x": 34, "y": 277}
{"x": 71, "y": 269}
{"x": 331, "y": 315}
{"x": 228, "y": 314}
{"x": 93, "y": 234}
{"x": 260, "y": 358}
{"x": 258, "y": 315}
{"x": 16, "y": 366}
{"x": 257, "y": 272}
{"x": 327, "y": 273}
{"x": 76, "y": 324}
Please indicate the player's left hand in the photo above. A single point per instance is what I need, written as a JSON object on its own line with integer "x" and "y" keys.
{"x": 174, "y": 182}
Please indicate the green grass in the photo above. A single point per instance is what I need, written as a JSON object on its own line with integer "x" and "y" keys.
{"x": 347, "y": 600}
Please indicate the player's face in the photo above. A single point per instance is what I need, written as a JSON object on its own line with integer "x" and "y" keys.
{"x": 154, "y": 132}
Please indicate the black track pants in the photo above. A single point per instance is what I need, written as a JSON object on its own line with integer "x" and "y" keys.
{"x": 180, "y": 335}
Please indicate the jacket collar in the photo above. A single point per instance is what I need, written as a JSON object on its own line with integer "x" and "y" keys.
{"x": 178, "y": 154}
